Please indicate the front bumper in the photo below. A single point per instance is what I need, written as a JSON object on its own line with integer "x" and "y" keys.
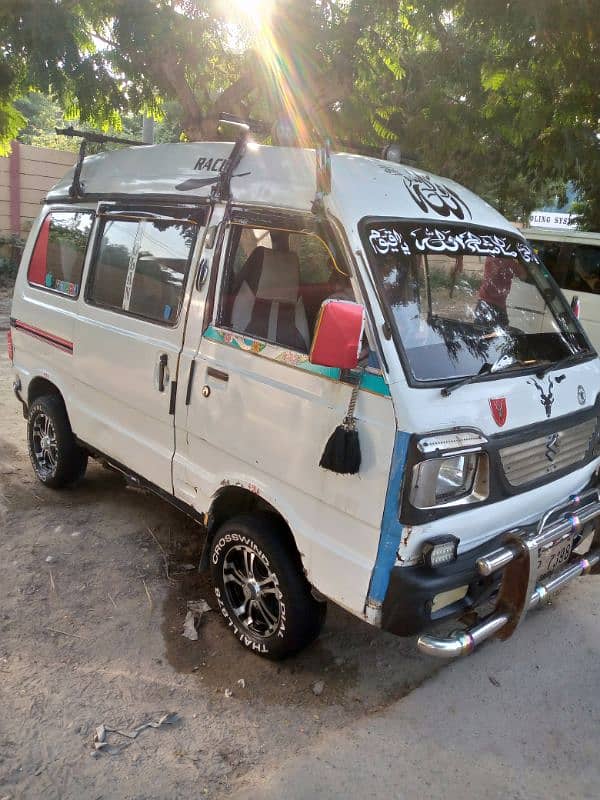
{"x": 505, "y": 570}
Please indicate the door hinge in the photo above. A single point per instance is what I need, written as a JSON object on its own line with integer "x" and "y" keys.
{"x": 173, "y": 397}
{"x": 188, "y": 394}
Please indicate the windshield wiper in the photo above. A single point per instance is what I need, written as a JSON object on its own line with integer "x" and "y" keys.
{"x": 502, "y": 364}
{"x": 505, "y": 363}
{"x": 564, "y": 362}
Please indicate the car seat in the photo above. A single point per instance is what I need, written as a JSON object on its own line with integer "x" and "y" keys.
{"x": 266, "y": 299}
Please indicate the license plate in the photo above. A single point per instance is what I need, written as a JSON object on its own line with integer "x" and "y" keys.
{"x": 554, "y": 554}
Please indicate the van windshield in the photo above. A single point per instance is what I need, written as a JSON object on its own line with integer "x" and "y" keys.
{"x": 459, "y": 299}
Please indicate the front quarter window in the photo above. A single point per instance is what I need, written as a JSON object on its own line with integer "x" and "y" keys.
{"x": 459, "y": 299}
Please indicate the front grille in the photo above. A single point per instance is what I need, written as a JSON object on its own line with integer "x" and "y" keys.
{"x": 536, "y": 459}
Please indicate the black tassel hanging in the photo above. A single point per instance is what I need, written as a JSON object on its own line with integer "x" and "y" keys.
{"x": 342, "y": 451}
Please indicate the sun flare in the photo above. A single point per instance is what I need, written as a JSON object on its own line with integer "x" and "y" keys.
{"x": 257, "y": 13}
{"x": 284, "y": 66}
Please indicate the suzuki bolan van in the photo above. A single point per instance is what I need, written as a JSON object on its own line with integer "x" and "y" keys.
{"x": 356, "y": 375}
{"x": 573, "y": 259}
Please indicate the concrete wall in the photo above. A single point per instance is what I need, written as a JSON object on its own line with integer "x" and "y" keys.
{"x": 25, "y": 177}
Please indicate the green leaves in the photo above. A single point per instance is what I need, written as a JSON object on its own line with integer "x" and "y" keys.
{"x": 501, "y": 96}
{"x": 493, "y": 81}
{"x": 11, "y": 121}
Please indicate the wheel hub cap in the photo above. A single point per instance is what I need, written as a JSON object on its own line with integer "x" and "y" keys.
{"x": 45, "y": 446}
{"x": 252, "y": 590}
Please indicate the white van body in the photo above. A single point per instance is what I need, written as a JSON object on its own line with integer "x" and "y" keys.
{"x": 573, "y": 259}
{"x": 220, "y": 421}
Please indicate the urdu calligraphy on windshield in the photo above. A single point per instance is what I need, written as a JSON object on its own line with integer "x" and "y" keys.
{"x": 460, "y": 298}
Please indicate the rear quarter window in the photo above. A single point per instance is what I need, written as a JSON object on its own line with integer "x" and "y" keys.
{"x": 58, "y": 255}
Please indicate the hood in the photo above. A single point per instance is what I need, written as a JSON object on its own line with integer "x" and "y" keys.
{"x": 519, "y": 400}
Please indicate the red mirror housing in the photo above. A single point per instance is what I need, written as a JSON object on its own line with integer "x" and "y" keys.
{"x": 338, "y": 334}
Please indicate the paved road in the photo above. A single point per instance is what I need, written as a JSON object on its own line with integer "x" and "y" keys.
{"x": 516, "y": 720}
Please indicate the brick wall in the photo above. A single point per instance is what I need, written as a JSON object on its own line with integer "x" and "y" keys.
{"x": 25, "y": 177}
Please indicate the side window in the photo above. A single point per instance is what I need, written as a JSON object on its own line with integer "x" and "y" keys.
{"x": 59, "y": 252}
{"x": 274, "y": 283}
{"x": 107, "y": 285}
{"x": 141, "y": 266}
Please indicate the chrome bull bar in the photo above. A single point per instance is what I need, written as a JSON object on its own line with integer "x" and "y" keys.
{"x": 520, "y": 589}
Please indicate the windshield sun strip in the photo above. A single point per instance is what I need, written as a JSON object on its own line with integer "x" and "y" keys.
{"x": 461, "y": 240}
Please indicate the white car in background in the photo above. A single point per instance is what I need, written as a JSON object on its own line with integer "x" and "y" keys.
{"x": 573, "y": 259}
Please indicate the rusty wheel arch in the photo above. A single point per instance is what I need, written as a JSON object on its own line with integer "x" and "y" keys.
{"x": 230, "y": 501}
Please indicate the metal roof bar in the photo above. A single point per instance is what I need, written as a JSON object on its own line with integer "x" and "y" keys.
{"x": 77, "y": 190}
{"x": 99, "y": 138}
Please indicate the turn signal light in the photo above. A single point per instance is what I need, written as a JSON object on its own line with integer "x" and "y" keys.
{"x": 9, "y": 346}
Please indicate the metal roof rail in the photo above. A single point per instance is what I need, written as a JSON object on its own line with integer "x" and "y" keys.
{"x": 77, "y": 188}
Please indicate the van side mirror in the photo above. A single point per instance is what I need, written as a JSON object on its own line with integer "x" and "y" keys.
{"x": 338, "y": 334}
{"x": 576, "y": 306}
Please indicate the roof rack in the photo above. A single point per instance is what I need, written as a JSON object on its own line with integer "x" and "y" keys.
{"x": 222, "y": 188}
{"x": 221, "y": 183}
{"x": 76, "y": 189}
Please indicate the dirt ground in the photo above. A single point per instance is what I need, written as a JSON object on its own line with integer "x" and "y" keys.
{"x": 93, "y": 589}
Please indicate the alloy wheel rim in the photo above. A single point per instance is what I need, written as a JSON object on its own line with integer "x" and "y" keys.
{"x": 44, "y": 444}
{"x": 252, "y": 590}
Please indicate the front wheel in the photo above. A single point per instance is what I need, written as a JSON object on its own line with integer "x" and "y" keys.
{"x": 260, "y": 586}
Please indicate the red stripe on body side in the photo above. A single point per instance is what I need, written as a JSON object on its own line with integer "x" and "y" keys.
{"x": 44, "y": 336}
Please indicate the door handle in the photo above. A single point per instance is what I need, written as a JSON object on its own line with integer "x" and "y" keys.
{"x": 162, "y": 368}
{"x": 218, "y": 374}
{"x": 202, "y": 273}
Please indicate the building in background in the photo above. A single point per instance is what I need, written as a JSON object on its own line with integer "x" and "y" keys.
{"x": 556, "y": 216}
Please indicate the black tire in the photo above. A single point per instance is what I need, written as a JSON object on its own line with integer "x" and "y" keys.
{"x": 273, "y": 613}
{"x": 56, "y": 457}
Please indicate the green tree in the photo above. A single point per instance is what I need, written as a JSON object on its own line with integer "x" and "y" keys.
{"x": 499, "y": 94}
{"x": 43, "y": 115}
{"x": 504, "y": 96}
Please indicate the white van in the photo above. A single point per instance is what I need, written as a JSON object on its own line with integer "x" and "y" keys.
{"x": 573, "y": 259}
{"x": 354, "y": 373}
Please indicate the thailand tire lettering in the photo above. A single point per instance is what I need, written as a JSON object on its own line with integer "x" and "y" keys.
{"x": 243, "y": 637}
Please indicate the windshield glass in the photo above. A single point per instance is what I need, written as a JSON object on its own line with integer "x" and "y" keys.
{"x": 459, "y": 299}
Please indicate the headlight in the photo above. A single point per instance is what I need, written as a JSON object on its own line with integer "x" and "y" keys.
{"x": 455, "y": 478}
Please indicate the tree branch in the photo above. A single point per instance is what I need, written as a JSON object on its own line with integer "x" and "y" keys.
{"x": 109, "y": 42}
